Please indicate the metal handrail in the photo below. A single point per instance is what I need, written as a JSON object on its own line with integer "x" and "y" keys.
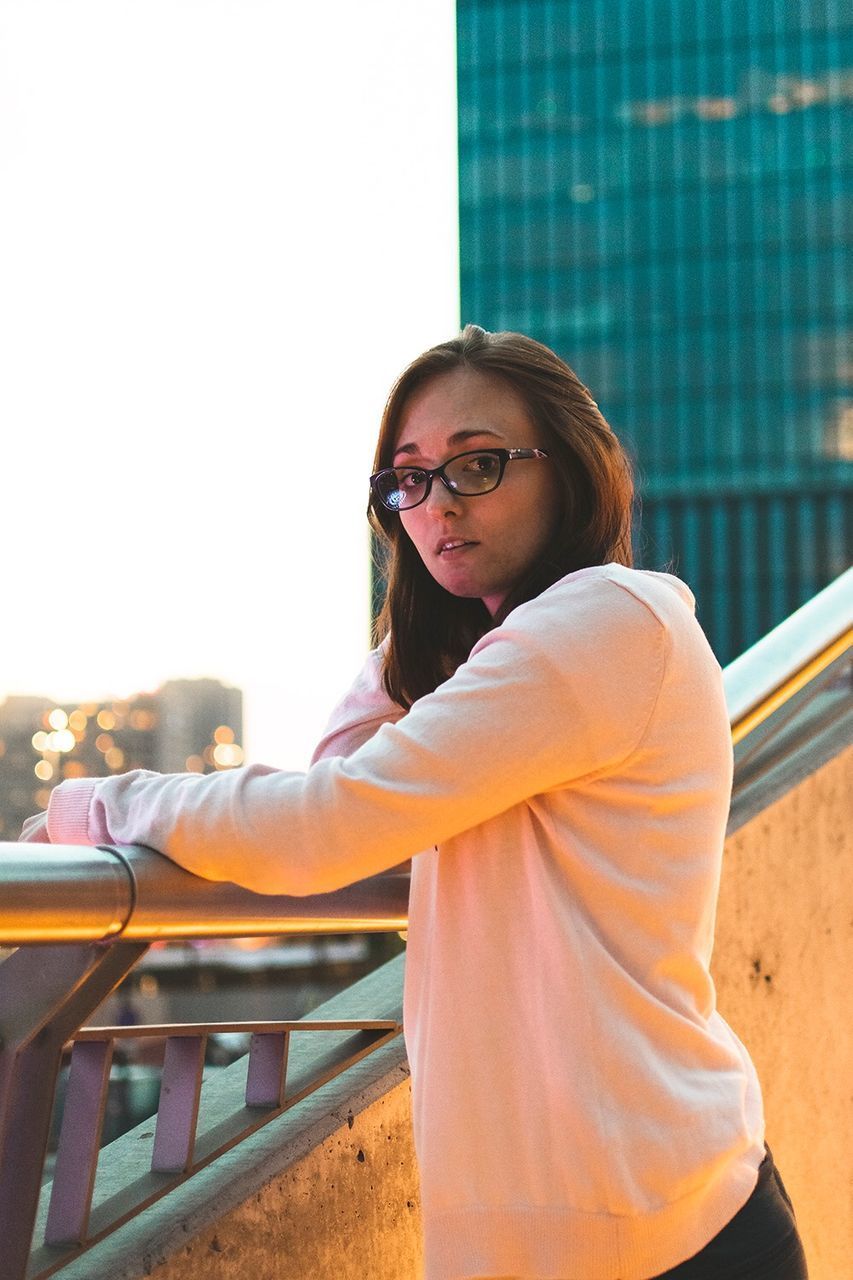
{"x": 104, "y": 906}
{"x": 68, "y": 893}
{"x": 780, "y": 664}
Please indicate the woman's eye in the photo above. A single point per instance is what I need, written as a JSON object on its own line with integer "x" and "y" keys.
{"x": 482, "y": 464}
{"x": 412, "y": 479}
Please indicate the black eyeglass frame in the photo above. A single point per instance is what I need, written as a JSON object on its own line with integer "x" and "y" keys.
{"x": 503, "y": 455}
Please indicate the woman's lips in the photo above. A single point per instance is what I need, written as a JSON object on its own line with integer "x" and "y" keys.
{"x": 453, "y": 548}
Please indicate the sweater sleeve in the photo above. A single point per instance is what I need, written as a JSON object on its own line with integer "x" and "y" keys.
{"x": 563, "y": 690}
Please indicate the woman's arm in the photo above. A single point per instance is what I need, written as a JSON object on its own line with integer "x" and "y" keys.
{"x": 355, "y": 719}
{"x": 564, "y": 689}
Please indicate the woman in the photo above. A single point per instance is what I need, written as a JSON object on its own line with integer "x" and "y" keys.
{"x": 543, "y": 730}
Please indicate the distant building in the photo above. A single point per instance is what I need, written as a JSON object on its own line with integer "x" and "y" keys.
{"x": 186, "y": 726}
{"x": 190, "y": 712}
{"x": 656, "y": 190}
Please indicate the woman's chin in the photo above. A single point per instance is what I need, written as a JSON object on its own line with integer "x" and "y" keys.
{"x": 491, "y": 598}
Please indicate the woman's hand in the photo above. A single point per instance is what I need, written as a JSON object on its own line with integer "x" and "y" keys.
{"x": 34, "y": 830}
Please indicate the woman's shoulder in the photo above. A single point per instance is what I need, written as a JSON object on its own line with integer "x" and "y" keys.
{"x": 607, "y": 617}
{"x": 602, "y": 593}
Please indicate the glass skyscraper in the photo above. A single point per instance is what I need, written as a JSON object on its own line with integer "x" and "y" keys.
{"x": 656, "y": 190}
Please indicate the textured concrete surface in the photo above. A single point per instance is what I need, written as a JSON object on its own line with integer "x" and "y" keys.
{"x": 783, "y": 963}
{"x": 350, "y": 1209}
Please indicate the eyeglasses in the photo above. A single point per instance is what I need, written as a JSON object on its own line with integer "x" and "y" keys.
{"x": 466, "y": 474}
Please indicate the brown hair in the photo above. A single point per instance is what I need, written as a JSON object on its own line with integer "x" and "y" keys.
{"x": 429, "y": 631}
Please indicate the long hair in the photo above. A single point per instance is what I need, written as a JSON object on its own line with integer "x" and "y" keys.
{"x": 428, "y": 631}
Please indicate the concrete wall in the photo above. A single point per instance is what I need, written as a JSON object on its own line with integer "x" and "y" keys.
{"x": 783, "y": 964}
{"x": 347, "y": 1210}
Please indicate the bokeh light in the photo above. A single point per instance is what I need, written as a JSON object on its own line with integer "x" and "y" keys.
{"x": 227, "y": 755}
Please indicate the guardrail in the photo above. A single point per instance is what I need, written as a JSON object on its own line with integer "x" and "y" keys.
{"x": 790, "y": 657}
{"x": 68, "y": 893}
{"x": 790, "y": 700}
{"x": 82, "y": 918}
{"x": 180, "y": 1146}
{"x": 85, "y": 917}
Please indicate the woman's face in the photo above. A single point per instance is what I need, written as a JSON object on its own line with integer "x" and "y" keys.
{"x": 502, "y": 533}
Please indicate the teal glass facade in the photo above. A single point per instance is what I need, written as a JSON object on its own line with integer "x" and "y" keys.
{"x": 657, "y": 190}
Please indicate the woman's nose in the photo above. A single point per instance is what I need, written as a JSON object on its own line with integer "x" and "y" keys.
{"x": 441, "y": 500}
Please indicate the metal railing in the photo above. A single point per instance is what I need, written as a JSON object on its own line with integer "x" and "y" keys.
{"x": 82, "y": 918}
{"x": 789, "y": 699}
{"x": 85, "y": 918}
{"x": 178, "y": 1150}
{"x": 68, "y": 893}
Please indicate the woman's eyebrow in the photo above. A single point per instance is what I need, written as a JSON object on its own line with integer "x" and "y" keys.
{"x": 458, "y": 437}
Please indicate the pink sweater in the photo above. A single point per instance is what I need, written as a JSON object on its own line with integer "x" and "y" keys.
{"x": 579, "y": 1107}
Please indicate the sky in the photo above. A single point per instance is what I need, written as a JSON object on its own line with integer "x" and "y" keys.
{"x": 225, "y": 228}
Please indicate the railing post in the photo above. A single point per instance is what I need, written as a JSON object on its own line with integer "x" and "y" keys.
{"x": 46, "y": 993}
{"x": 267, "y": 1070}
{"x": 177, "y": 1114}
{"x": 79, "y": 1142}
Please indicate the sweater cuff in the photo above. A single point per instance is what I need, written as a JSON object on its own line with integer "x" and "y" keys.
{"x": 68, "y": 812}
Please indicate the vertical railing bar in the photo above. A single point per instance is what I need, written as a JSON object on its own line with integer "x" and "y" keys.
{"x": 79, "y": 1143}
{"x": 177, "y": 1114}
{"x": 267, "y": 1070}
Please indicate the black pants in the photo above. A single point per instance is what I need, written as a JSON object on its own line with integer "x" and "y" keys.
{"x": 760, "y": 1243}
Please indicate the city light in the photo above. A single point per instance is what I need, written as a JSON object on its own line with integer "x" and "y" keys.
{"x": 227, "y": 755}
{"x": 142, "y": 720}
{"x": 163, "y": 730}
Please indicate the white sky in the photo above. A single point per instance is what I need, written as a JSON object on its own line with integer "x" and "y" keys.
{"x": 224, "y": 229}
